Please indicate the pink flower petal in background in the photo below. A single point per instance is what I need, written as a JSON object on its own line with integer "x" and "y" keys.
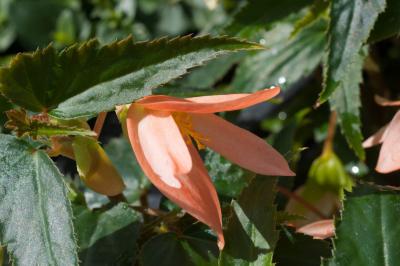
{"x": 319, "y": 230}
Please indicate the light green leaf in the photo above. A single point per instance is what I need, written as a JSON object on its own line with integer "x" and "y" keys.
{"x": 120, "y": 153}
{"x": 346, "y": 102}
{"x": 170, "y": 249}
{"x": 251, "y": 232}
{"x": 86, "y": 79}
{"x": 261, "y": 13}
{"x": 35, "y": 215}
{"x": 369, "y": 230}
{"x": 285, "y": 61}
{"x": 109, "y": 237}
{"x": 388, "y": 23}
{"x": 350, "y": 25}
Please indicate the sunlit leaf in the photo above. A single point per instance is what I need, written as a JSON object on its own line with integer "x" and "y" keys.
{"x": 350, "y": 26}
{"x": 35, "y": 215}
{"x": 86, "y": 79}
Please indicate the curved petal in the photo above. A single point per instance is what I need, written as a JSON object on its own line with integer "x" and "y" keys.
{"x": 208, "y": 104}
{"x": 192, "y": 188}
{"x": 240, "y": 146}
{"x": 389, "y": 155}
{"x": 377, "y": 138}
{"x": 319, "y": 230}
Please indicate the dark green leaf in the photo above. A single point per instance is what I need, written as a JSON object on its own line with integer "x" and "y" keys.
{"x": 170, "y": 250}
{"x": 346, "y": 102}
{"x": 299, "y": 250}
{"x": 35, "y": 215}
{"x": 388, "y": 23}
{"x": 229, "y": 179}
{"x": 86, "y": 79}
{"x": 350, "y": 25}
{"x": 107, "y": 238}
{"x": 285, "y": 61}
{"x": 261, "y": 13}
{"x": 251, "y": 233}
{"x": 120, "y": 153}
{"x": 369, "y": 230}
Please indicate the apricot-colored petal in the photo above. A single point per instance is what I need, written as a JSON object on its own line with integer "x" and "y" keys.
{"x": 376, "y": 138}
{"x": 389, "y": 156}
{"x": 319, "y": 230}
{"x": 240, "y": 146}
{"x": 385, "y": 102}
{"x": 192, "y": 190}
{"x": 208, "y": 104}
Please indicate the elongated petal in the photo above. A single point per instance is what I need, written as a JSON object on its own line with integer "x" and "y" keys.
{"x": 240, "y": 146}
{"x": 319, "y": 230}
{"x": 208, "y": 104}
{"x": 377, "y": 138}
{"x": 189, "y": 187}
{"x": 389, "y": 156}
{"x": 385, "y": 102}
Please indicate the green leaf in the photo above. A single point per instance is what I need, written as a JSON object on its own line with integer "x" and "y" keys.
{"x": 109, "y": 237}
{"x": 169, "y": 250}
{"x": 35, "y": 214}
{"x": 350, "y": 25}
{"x": 121, "y": 155}
{"x": 388, "y": 23}
{"x": 286, "y": 60}
{"x": 229, "y": 179}
{"x": 346, "y": 102}
{"x": 368, "y": 232}
{"x": 299, "y": 249}
{"x": 86, "y": 79}
{"x": 251, "y": 232}
{"x": 261, "y": 13}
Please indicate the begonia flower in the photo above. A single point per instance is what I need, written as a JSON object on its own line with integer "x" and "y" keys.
{"x": 162, "y": 130}
{"x": 389, "y": 155}
{"x": 319, "y": 230}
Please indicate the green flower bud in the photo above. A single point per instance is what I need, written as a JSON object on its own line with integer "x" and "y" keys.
{"x": 95, "y": 168}
{"x": 328, "y": 172}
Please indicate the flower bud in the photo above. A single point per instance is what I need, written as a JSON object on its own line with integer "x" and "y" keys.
{"x": 328, "y": 171}
{"x": 95, "y": 168}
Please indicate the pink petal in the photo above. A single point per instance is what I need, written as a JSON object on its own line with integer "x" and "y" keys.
{"x": 377, "y": 138}
{"x": 319, "y": 230}
{"x": 240, "y": 146}
{"x": 208, "y": 104}
{"x": 385, "y": 102}
{"x": 389, "y": 156}
{"x": 161, "y": 152}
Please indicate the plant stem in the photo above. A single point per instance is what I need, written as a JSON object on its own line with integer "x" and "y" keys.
{"x": 300, "y": 200}
{"x": 98, "y": 126}
{"x": 331, "y": 133}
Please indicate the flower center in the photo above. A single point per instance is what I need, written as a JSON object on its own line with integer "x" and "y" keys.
{"x": 185, "y": 124}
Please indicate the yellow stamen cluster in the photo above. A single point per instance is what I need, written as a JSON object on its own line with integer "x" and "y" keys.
{"x": 185, "y": 124}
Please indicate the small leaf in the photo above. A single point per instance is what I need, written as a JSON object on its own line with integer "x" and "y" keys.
{"x": 350, "y": 25}
{"x": 35, "y": 126}
{"x": 35, "y": 214}
{"x": 369, "y": 229}
{"x": 86, "y": 79}
{"x": 285, "y": 61}
{"x": 251, "y": 232}
{"x": 261, "y": 13}
{"x": 109, "y": 237}
{"x": 346, "y": 102}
